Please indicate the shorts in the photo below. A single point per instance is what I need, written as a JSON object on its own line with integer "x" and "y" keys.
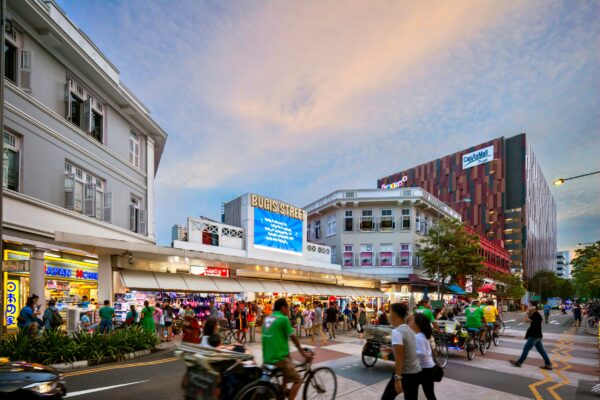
{"x": 480, "y": 329}
{"x": 289, "y": 371}
{"x": 168, "y": 323}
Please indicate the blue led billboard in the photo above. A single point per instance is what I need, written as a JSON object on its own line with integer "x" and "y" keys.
{"x": 277, "y": 232}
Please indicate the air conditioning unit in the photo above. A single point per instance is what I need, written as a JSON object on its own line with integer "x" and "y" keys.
{"x": 72, "y": 320}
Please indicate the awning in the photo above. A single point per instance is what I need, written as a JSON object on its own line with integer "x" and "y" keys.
{"x": 456, "y": 289}
{"x": 370, "y": 292}
{"x": 487, "y": 288}
{"x": 336, "y": 290}
{"x": 291, "y": 287}
{"x": 138, "y": 279}
{"x": 307, "y": 288}
{"x": 201, "y": 284}
{"x": 273, "y": 286}
{"x": 251, "y": 285}
{"x": 228, "y": 285}
{"x": 322, "y": 290}
{"x": 170, "y": 282}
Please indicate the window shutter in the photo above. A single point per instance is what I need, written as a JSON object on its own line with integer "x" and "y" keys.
{"x": 68, "y": 99}
{"x": 69, "y": 192}
{"x": 87, "y": 115}
{"x": 25, "y": 70}
{"x": 107, "y": 214}
{"x": 142, "y": 227}
{"x": 89, "y": 200}
{"x": 132, "y": 222}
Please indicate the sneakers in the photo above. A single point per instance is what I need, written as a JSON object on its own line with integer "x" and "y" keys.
{"x": 518, "y": 364}
{"x": 515, "y": 363}
{"x": 548, "y": 367}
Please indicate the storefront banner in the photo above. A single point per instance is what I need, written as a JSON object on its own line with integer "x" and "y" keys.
{"x": 348, "y": 259}
{"x": 277, "y": 232}
{"x": 72, "y": 273}
{"x": 386, "y": 258}
{"x": 209, "y": 271}
{"x": 366, "y": 259}
{"x": 11, "y": 302}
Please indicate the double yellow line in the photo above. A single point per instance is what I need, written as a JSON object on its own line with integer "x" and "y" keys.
{"x": 120, "y": 366}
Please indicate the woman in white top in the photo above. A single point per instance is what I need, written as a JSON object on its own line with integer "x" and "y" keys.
{"x": 422, "y": 328}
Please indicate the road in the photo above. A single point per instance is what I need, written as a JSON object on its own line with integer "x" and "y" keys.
{"x": 574, "y": 354}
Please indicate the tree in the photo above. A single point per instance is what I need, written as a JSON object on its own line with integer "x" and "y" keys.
{"x": 450, "y": 251}
{"x": 546, "y": 284}
{"x": 586, "y": 271}
{"x": 510, "y": 287}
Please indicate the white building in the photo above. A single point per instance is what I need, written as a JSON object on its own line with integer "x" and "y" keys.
{"x": 563, "y": 264}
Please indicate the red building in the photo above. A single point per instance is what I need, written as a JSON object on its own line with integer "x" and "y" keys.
{"x": 496, "y": 257}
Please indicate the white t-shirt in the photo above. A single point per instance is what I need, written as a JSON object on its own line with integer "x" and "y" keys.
{"x": 424, "y": 351}
{"x": 403, "y": 335}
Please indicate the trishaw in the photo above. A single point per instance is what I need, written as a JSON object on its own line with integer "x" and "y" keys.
{"x": 379, "y": 344}
{"x": 452, "y": 335}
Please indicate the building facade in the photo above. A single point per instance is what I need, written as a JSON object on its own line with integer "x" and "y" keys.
{"x": 510, "y": 201}
{"x": 563, "y": 264}
{"x": 81, "y": 153}
{"x": 178, "y": 232}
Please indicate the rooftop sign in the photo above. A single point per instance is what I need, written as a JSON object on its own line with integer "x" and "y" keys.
{"x": 478, "y": 157}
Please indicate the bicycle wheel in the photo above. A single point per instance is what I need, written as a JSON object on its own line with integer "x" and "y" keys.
{"x": 501, "y": 329}
{"x": 470, "y": 346}
{"x": 441, "y": 353}
{"x": 321, "y": 384}
{"x": 259, "y": 390}
{"x": 496, "y": 337}
{"x": 488, "y": 339}
{"x": 482, "y": 346}
{"x": 368, "y": 360}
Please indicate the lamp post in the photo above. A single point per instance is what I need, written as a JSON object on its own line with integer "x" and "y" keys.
{"x": 465, "y": 200}
{"x": 560, "y": 181}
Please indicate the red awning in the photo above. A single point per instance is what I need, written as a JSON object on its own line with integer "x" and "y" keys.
{"x": 487, "y": 288}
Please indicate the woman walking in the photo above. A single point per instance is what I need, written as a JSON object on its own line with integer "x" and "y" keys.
{"x": 422, "y": 328}
{"x": 147, "y": 319}
{"x": 132, "y": 315}
{"x": 362, "y": 320}
{"x": 168, "y": 318}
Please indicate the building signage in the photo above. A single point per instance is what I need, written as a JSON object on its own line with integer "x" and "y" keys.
{"x": 277, "y": 232}
{"x": 209, "y": 271}
{"x": 278, "y": 207}
{"x": 478, "y": 157}
{"x": 396, "y": 185}
{"x": 71, "y": 273}
{"x": 11, "y": 302}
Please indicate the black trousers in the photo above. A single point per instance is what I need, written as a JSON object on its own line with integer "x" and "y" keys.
{"x": 427, "y": 382}
{"x": 410, "y": 387}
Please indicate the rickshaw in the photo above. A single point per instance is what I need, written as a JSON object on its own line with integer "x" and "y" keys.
{"x": 452, "y": 335}
{"x": 378, "y": 346}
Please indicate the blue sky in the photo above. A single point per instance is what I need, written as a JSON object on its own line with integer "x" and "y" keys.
{"x": 296, "y": 99}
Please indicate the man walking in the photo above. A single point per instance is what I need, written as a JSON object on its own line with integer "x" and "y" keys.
{"x": 107, "y": 313}
{"x": 546, "y": 312}
{"x": 332, "y": 316}
{"x": 577, "y": 315}
{"x": 317, "y": 328}
{"x": 534, "y": 338}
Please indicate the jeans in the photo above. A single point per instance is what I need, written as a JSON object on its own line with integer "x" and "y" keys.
{"x": 105, "y": 326}
{"x": 427, "y": 382}
{"x": 537, "y": 342}
{"x": 410, "y": 387}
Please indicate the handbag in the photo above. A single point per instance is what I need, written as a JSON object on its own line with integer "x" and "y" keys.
{"x": 437, "y": 372}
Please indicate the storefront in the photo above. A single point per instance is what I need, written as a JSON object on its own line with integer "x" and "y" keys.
{"x": 67, "y": 279}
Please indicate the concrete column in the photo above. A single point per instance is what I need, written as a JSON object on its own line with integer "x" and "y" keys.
{"x": 105, "y": 279}
{"x": 37, "y": 275}
{"x": 150, "y": 184}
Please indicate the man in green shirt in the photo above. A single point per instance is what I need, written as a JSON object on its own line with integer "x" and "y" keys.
{"x": 107, "y": 314}
{"x": 276, "y": 332}
{"x": 474, "y": 315}
{"x": 425, "y": 310}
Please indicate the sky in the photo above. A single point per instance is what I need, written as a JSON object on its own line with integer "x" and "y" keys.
{"x": 296, "y": 99}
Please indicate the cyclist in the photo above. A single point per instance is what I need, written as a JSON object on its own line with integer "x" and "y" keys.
{"x": 425, "y": 309}
{"x": 474, "y": 315}
{"x": 490, "y": 314}
{"x": 276, "y": 332}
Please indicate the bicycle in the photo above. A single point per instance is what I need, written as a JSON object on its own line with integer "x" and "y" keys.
{"x": 319, "y": 383}
{"x": 491, "y": 335}
{"x": 440, "y": 350}
{"x": 477, "y": 343}
{"x": 229, "y": 333}
{"x": 501, "y": 327}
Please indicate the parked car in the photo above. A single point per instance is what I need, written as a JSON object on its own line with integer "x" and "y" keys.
{"x": 22, "y": 380}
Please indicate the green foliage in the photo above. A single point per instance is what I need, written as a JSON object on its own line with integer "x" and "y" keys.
{"x": 452, "y": 251}
{"x": 547, "y": 284}
{"x": 510, "y": 286}
{"x": 586, "y": 271}
{"x": 53, "y": 347}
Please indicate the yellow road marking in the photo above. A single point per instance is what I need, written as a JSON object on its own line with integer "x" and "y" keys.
{"x": 533, "y": 386}
{"x": 132, "y": 365}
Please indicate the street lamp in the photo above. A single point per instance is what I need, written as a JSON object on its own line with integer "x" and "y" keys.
{"x": 560, "y": 181}
{"x": 465, "y": 200}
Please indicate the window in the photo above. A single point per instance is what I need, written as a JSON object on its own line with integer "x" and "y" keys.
{"x": 10, "y": 165}
{"x": 405, "y": 219}
{"x": 84, "y": 193}
{"x": 348, "y": 222}
{"x": 387, "y": 223}
{"x": 10, "y": 61}
{"x": 318, "y": 230}
{"x": 333, "y": 254}
{"x": 425, "y": 225}
{"x": 366, "y": 221}
{"x": 348, "y": 256}
{"x": 137, "y": 222}
{"x": 76, "y": 105}
{"x": 96, "y": 128}
{"x": 366, "y": 255}
{"x": 331, "y": 225}
{"x": 417, "y": 258}
{"x": 308, "y": 231}
{"x": 386, "y": 255}
{"x": 84, "y": 110}
{"x": 418, "y": 222}
{"x": 134, "y": 149}
{"x": 405, "y": 254}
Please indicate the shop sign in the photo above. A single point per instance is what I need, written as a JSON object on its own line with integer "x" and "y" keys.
{"x": 72, "y": 273}
{"x": 11, "y": 302}
{"x": 478, "y": 157}
{"x": 278, "y": 207}
{"x": 209, "y": 271}
{"x": 396, "y": 185}
{"x": 15, "y": 265}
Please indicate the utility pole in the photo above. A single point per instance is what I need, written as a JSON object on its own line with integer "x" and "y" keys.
{"x": 2, "y": 29}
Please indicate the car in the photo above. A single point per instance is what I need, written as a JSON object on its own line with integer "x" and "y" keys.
{"x": 24, "y": 380}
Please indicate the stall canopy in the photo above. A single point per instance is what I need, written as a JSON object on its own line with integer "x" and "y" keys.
{"x": 139, "y": 279}
{"x": 273, "y": 286}
{"x": 291, "y": 287}
{"x": 251, "y": 286}
{"x": 456, "y": 289}
{"x": 170, "y": 282}
{"x": 202, "y": 284}
{"x": 228, "y": 285}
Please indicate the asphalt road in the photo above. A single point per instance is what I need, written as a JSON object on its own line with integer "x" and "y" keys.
{"x": 557, "y": 322}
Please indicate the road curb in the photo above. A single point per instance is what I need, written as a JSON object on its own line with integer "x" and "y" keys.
{"x": 86, "y": 363}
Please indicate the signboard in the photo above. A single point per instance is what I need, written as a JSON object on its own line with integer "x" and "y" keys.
{"x": 277, "y": 232}
{"x": 478, "y": 157}
{"x": 536, "y": 298}
{"x": 11, "y": 302}
{"x": 396, "y": 185}
{"x": 277, "y": 207}
{"x": 209, "y": 271}
{"x": 72, "y": 273}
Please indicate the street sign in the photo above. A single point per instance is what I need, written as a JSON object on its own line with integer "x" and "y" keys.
{"x": 536, "y": 298}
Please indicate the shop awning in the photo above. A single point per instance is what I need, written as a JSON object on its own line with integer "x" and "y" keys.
{"x": 307, "y": 288}
{"x": 323, "y": 290}
{"x": 291, "y": 287}
{"x": 227, "y": 285}
{"x": 138, "y": 279}
{"x": 170, "y": 282}
{"x": 273, "y": 286}
{"x": 251, "y": 285}
{"x": 350, "y": 291}
{"x": 456, "y": 289}
{"x": 369, "y": 292}
{"x": 335, "y": 290}
{"x": 201, "y": 284}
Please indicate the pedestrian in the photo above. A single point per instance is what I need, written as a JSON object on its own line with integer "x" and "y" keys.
{"x": 422, "y": 328}
{"x": 213, "y": 309}
{"x": 27, "y": 319}
{"x": 52, "y": 319}
{"x": 317, "y": 324}
{"x": 425, "y": 308}
{"x": 546, "y": 312}
{"x": 577, "y": 314}
{"x": 85, "y": 320}
{"x": 361, "y": 320}
{"x": 241, "y": 322}
{"x": 534, "y": 338}
{"x": 168, "y": 321}
{"x": 147, "y": 318}
{"x": 332, "y": 316}
{"x": 159, "y": 322}
{"x": 354, "y": 311}
{"x": 383, "y": 319}
{"x": 107, "y": 313}
{"x": 131, "y": 317}
{"x": 210, "y": 334}
{"x": 347, "y": 317}
{"x": 407, "y": 371}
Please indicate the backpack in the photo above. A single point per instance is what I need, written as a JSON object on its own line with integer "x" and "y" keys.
{"x": 56, "y": 320}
